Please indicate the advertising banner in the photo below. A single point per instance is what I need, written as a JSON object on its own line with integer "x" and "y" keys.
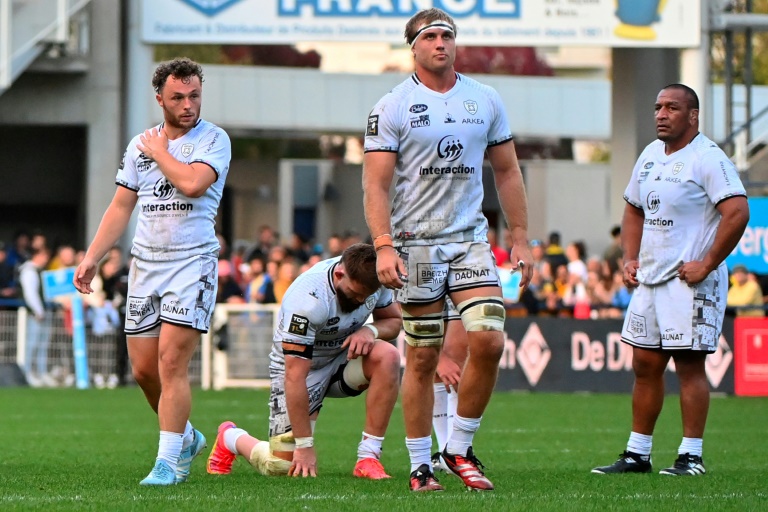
{"x": 618, "y": 23}
{"x": 566, "y": 355}
{"x": 751, "y": 349}
{"x": 752, "y": 250}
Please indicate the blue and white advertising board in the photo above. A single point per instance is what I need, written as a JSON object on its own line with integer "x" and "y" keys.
{"x": 59, "y": 283}
{"x": 752, "y": 250}
{"x": 616, "y": 23}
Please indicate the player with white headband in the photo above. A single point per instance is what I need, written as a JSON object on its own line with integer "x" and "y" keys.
{"x": 433, "y": 26}
{"x": 431, "y": 134}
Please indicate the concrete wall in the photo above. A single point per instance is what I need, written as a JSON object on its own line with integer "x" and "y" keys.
{"x": 570, "y": 198}
{"x": 91, "y": 100}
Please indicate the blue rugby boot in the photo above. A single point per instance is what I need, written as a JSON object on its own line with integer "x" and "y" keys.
{"x": 188, "y": 454}
{"x": 161, "y": 474}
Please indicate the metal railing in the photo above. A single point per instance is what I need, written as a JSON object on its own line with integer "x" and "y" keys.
{"x": 27, "y": 27}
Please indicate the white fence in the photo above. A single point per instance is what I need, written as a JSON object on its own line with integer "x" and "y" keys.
{"x": 243, "y": 330}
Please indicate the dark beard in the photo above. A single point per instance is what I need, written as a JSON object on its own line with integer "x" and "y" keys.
{"x": 346, "y": 304}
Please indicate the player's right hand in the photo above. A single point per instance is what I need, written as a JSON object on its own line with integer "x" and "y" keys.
{"x": 84, "y": 274}
{"x": 389, "y": 267}
{"x": 304, "y": 463}
{"x": 630, "y": 274}
{"x": 449, "y": 372}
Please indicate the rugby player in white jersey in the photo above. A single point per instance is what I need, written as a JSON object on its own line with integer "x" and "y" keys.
{"x": 431, "y": 134}
{"x": 175, "y": 172}
{"x": 686, "y": 210}
{"x": 323, "y": 348}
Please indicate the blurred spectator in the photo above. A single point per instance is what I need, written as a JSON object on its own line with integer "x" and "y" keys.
{"x": 744, "y": 291}
{"x": 276, "y": 285}
{"x": 299, "y": 248}
{"x": 554, "y": 253}
{"x": 537, "y": 252}
{"x": 613, "y": 254}
{"x": 599, "y": 292}
{"x": 228, "y": 290}
{"x": 8, "y": 284}
{"x": 351, "y": 237}
{"x": 256, "y": 277}
{"x": 621, "y": 296}
{"x": 114, "y": 276}
{"x": 575, "y": 253}
{"x": 223, "y": 247}
{"x": 286, "y": 275}
{"x": 66, "y": 256}
{"x": 499, "y": 253}
{"x": 38, "y": 322}
{"x": 313, "y": 260}
{"x": 19, "y": 253}
{"x": 265, "y": 240}
{"x": 277, "y": 254}
{"x": 335, "y": 246}
{"x": 239, "y": 265}
{"x": 561, "y": 280}
{"x": 39, "y": 241}
{"x": 576, "y": 297}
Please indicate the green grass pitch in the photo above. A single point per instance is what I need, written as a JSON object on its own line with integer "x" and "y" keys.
{"x": 87, "y": 450}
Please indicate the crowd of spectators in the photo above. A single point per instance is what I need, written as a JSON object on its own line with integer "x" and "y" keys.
{"x": 567, "y": 282}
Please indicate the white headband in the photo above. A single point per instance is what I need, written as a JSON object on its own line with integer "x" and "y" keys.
{"x": 429, "y": 26}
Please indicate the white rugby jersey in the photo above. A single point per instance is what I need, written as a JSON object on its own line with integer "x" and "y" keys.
{"x": 310, "y": 315}
{"x": 172, "y": 226}
{"x": 440, "y": 140}
{"x": 678, "y": 194}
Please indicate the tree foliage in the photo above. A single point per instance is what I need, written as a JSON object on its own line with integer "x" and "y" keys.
{"x": 759, "y": 48}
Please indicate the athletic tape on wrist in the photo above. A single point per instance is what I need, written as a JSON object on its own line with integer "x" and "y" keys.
{"x": 374, "y": 329}
{"x": 304, "y": 442}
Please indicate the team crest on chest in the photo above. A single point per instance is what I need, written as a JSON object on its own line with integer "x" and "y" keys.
{"x": 471, "y": 106}
{"x": 677, "y": 167}
{"x": 186, "y": 149}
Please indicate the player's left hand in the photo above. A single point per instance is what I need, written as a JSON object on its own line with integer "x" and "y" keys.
{"x": 359, "y": 343}
{"x": 153, "y": 141}
{"x": 523, "y": 261}
{"x": 693, "y": 272}
{"x": 304, "y": 463}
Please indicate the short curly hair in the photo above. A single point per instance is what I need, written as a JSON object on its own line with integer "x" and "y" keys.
{"x": 180, "y": 67}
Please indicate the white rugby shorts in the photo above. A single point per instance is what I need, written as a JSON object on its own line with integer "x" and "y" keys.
{"x": 179, "y": 292}
{"x": 435, "y": 270}
{"x": 675, "y": 316}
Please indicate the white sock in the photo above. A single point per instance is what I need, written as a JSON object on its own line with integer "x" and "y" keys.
{"x": 189, "y": 435}
{"x": 369, "y": 447}
{"x": 419, "y": 451}
{"x": 170, "y": 448}
{"x": 440, "y": 416}
{"x": 453, "y": 404}
{"x": 231, "y": 435}
{"x": 640, "y": 443}
{"x": 692, "y": 445}
{"x": 462, "y": 434}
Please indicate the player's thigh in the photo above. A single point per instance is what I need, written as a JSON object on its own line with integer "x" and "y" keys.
{"x": 318, "y": 382}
